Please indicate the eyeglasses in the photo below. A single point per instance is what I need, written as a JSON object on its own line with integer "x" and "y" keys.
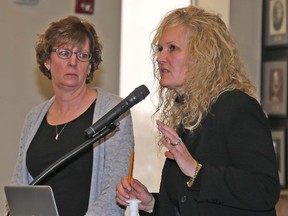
{"x": 66, "y": 54}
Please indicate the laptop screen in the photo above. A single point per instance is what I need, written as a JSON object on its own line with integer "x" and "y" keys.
{"x": 27, "y": 200}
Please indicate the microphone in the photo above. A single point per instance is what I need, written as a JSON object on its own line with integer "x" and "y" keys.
{"x": 133, "y": 98}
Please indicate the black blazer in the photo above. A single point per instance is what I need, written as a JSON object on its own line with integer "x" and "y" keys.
{"x": 239, "y": 174}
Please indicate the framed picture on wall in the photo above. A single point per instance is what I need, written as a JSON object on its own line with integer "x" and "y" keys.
{"x": 275, "y": 23}
{"x": 274, "y": 87}
{"x": 279, "y": 143}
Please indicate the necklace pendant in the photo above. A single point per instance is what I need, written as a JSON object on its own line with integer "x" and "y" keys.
{"x": 56, "y": 130}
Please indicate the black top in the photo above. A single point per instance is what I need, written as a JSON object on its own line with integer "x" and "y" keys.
{"x": 239, "y": 174}
{"x": 70, "y": 182}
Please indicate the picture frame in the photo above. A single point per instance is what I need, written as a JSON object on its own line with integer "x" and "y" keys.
{"x": 274, "y": 87}
{"x": 279, "y": 138}
{"x": 275, "y": 23}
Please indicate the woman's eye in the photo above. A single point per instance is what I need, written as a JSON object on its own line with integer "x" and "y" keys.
{"x": 172, "y": 47}
{"x": 64, "y": 53}
{"x": 83, "y": 55}
{"x": 159, "y": 49}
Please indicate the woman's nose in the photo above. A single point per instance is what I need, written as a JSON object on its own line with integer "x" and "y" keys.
{"x": 73, "y": 59}
{"x": 161, "y": 57}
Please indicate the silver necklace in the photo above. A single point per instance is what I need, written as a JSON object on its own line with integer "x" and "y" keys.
{"x": 58, "y": 134}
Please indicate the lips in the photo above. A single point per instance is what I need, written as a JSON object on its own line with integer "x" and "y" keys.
{"x": 71, "y": 74}
{"x": 164, "y": 70}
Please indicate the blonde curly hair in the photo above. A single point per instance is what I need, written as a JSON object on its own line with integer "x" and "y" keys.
{"x": 214, "y": 60}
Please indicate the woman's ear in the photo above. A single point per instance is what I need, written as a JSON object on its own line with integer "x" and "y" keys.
{"x": 47, "y": 64}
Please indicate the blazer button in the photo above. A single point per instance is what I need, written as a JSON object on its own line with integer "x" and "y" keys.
{"x": 183, "y": 199}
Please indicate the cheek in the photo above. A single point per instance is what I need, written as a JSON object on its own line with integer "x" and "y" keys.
{"x": 181, "y": 67}
{"x": 56, "y": 67}
{"x": 84, "y": 70}
{"x": 56, "y": 64}
{"x": 180, "y": 80}
{"x": 179, "y": 60}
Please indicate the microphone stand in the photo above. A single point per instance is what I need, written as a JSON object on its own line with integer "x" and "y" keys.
{"x": 108, "y": 129}
{"x": 97, "y": 136}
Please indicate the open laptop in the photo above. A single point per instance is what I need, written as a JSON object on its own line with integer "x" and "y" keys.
{"x": 31, "y": 200}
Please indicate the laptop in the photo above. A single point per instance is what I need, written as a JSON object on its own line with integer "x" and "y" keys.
{"x": 30, "y": 200}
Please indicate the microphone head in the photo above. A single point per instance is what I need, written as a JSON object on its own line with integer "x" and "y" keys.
{"x": 141, "y": 92}
{"x": 133, "y": 98}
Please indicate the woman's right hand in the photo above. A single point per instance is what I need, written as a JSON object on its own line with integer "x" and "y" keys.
{"x": 134, "y": 190}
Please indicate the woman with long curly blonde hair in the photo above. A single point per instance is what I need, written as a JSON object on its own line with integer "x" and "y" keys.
{"x": 220, "y": 155}
{"x": 214, "y": 66}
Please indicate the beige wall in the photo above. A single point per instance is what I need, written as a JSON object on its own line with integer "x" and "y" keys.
{"x": 22, "y": 86}
{"x": 247, "y": 33}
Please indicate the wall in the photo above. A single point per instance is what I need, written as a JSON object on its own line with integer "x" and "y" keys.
{"x": 22, "y": 86}
{"x": 247, "y": 31}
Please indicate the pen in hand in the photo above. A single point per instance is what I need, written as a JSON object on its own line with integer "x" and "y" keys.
{"x": 131, "y": 165}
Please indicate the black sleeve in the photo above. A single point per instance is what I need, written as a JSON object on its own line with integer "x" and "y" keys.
{"x": 251, "y": 180}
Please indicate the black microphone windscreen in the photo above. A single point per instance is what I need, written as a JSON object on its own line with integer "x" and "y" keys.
{"x": 133, "y": 98}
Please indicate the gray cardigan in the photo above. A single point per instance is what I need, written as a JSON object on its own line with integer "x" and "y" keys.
{"x": 110, "y": 157}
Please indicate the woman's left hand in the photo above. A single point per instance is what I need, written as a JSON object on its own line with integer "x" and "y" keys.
{"x": 177, "y": 149}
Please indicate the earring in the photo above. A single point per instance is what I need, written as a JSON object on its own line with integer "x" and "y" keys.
{"x": 89, "y": 70}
